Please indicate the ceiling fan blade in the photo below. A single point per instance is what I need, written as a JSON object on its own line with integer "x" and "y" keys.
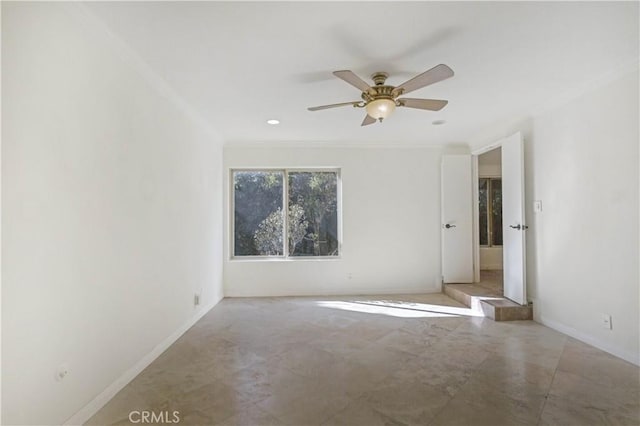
{"x": 352, "y": 79}
{"x": 430, "y": 104}
{"x": 368, "y": 120}
{"x": 318, "y": 108}
{"x": 434, "y": 75}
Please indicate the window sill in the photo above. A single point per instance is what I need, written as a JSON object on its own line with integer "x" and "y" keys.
{"x": 286, "y": 259}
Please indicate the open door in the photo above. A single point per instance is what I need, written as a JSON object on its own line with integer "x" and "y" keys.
{"x": 457, "y": 219}
{"x": 513, "y": 219}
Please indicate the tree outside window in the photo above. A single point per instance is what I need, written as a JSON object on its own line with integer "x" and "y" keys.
{"x": 311, "y": 222}
{"x": 490, "y": 211}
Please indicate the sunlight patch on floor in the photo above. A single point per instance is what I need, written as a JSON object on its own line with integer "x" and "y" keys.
{"x": 476, "y": 301}
{"x": 400, "y": 309}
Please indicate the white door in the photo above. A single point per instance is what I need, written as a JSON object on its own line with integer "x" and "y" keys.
{"x": 513, "y": 220}
{"x": 457, "y": 219}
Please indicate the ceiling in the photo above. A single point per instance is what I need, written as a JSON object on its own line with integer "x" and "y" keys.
{"x": 239, "y": 64}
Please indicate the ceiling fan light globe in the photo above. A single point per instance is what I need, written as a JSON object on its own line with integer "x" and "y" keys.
{"x": 380, "y": 108}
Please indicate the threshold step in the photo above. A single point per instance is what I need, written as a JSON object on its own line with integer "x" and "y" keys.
{"x": 505, "y": 310}
{"x": 488, "y": 301}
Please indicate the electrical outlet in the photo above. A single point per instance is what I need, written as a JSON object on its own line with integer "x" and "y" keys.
{"x": 606, "y": 321}
{"x": 61, "y": 372}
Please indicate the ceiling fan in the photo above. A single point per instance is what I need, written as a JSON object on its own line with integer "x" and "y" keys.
{"x": 380, "y": 100}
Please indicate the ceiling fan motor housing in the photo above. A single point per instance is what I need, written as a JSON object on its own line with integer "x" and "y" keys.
{"x": 379, "y": 78}
{"x": 379, "y": 92}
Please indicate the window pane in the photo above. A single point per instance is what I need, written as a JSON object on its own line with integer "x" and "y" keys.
{"x": 313, "y": 214}
{"x": 257, "y": 213}
{"x": 482, "y": 219}
{"x": 496, "y": 212}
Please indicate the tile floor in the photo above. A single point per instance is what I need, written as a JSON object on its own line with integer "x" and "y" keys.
{"x": 392, "y": 360}
{"x": 492, "y": 280}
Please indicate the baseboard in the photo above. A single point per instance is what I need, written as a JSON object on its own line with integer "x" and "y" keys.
{"x": 86, "y": 412}
{"x": 491, "y": 267}
{"x": 234, "y": 292}
{"x": 590, "y": 340}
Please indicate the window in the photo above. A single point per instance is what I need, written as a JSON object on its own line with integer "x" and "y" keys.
{"x": 490, "y": 207}
{"x": 310, "y": 227}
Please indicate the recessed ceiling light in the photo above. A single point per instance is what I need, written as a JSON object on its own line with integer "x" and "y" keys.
{"x": 438, "y": 122}
{"x": 273, "y": 121}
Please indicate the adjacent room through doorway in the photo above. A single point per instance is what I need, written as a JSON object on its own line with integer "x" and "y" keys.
{"x": 490, "y": 220}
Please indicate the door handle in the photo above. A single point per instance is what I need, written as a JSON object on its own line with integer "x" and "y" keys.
{"x": 519, "y": 227}
{"x": 449, "y": 226}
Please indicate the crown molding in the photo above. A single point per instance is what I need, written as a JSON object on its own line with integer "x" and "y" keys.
{"x": 93, "y": 24}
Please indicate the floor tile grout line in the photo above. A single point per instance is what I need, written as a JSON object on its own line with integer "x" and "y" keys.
{"x": 553, "y": 377}
{"x": 473, "y": 371}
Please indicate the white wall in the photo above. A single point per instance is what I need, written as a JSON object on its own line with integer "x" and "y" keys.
{"x": 112, "y": 216}
{"x": 489, "y": 170}
{"x": 391, "y": 224}
{"x": 490, "y": 163}
{"x": 581, "y": 161}
{"x": 490, "y": 258}
{"x": 584, "y": 168}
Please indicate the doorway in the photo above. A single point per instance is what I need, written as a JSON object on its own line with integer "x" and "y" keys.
{"x": 489, "y": 220}
{"x": 460, "y": 216}
{"x": 503, "y": 264}
{"x": 511, "y": 194}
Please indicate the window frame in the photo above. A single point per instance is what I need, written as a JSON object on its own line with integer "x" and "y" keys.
{"x": 285, "y": 257}
{"x": 489, "y": 211}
